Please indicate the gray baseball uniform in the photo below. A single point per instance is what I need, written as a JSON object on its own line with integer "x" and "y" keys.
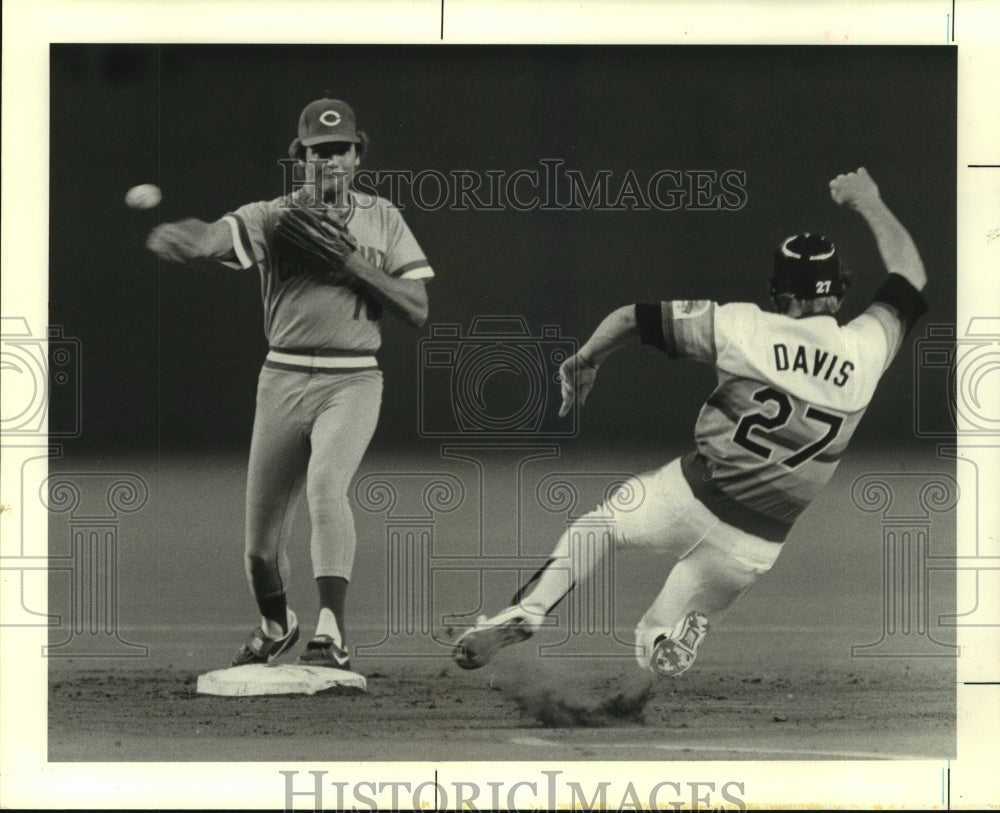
{"x": 320, "y": 388}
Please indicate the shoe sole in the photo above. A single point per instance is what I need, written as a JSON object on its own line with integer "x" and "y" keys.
{"x": 477, "y": 647}
{"x": 674, "y": 656}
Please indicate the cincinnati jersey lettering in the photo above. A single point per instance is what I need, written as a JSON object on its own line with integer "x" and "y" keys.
{"x": 316, "y": 308}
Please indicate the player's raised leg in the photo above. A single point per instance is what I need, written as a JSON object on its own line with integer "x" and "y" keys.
{"x": 476, "y": 647}
{"x": 580, "y": 551}
{"x": 699, "y": 592}
{"x": 656, "y": 510}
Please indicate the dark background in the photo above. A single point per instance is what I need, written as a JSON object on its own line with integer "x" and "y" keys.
{"x": 170, "y": 354}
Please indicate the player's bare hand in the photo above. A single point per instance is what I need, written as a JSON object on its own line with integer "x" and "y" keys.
{"x": 854, "y": 189}
{"x": 577, "y": 376}
{"x": 177, "y": 242}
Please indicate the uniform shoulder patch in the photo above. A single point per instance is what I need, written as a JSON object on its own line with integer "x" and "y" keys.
{"x": 689, "y": 308}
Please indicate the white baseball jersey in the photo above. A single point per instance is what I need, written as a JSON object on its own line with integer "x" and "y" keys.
{"x": 790, "y": 395}
{"x": 305, "y": 309}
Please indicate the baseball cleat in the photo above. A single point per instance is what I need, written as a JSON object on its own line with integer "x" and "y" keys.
{"x": 674, "y": 653}
{"x": 262, "y": 648}
{"x": 476, "y": 646}
{"x": 322, "y": 650}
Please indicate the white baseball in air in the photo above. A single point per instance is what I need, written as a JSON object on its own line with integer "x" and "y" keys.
{"x": 143, "y": 196}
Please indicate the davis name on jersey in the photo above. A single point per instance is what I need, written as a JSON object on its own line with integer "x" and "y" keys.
{"x": 790, "y": 394}
{"x": 821, "y": 360}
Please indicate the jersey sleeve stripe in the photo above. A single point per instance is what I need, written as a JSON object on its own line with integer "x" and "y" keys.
{"x": 689, "y": 327}
{"x": 241, "y": 241}
{"x": 669, "y": 337}
{"x": 649, "y": 322}
{"x": 418, "y": 269}
{"x": 711, "y": 334}
{"x": 898, "y": 292}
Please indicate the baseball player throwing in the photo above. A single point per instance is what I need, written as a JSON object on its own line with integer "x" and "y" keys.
{"x": 330, "y": 260}
{"x": 792, "y": 387}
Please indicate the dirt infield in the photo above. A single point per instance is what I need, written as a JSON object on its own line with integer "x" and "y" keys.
{"x": 520, "y": 708}
{"x": 777, "y": 679}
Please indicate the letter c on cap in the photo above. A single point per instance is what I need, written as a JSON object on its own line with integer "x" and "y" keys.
{"x": 331, "y": 118}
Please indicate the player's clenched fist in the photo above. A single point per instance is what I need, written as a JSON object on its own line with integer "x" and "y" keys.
{"x": 853, "y": 189}
{"x": 577, "y": 376}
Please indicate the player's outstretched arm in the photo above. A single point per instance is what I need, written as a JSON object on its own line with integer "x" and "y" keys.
{"x": 405, "y": 298}
{"x": 192, "y": 240}
{"x": 579, "y": 371}
{"x": 858, "y": 191}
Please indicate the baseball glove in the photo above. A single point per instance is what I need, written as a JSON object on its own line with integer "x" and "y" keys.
{"x": 314, "y": 238}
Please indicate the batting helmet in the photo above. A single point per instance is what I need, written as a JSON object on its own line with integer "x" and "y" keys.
{"x": 807, "y": 266}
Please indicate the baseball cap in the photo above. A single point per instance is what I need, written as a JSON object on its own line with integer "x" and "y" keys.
{"x": 327, "y": 120}
{"x": 807, "y": 266}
